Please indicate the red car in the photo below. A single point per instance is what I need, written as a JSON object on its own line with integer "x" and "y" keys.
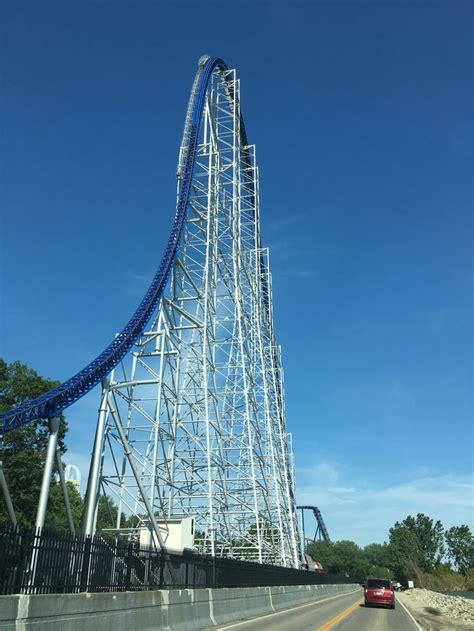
{"x": 379, "y": 591}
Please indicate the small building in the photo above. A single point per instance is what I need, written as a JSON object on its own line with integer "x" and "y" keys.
{"x": 177, "y": 533}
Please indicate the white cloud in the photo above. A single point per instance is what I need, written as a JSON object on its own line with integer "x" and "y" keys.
{"x": 364, "y": 512}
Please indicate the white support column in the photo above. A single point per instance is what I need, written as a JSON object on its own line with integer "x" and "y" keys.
{"x": 94, "y": 471}
{"x": 6, "y": 496}
{"x": 47, "y": 472}
{"x": 67, "y": 503}
{"x": 236, "y": 242}
{"x": 207, "y": 265}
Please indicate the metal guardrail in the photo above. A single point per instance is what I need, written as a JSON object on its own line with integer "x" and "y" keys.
{"x": 51, "y": 563}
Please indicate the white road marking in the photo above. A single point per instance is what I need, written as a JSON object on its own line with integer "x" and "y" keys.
{"x": 404, "y": 607}
{"x": 269, "y": 615}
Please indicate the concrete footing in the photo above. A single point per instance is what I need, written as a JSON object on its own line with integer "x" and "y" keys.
{"x": 165, "y": 610}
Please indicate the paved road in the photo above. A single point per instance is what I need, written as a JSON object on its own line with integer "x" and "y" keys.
{"x": 343, "y": 613}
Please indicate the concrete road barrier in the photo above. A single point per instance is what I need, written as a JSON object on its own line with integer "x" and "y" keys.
{"x": 160, "y": 610}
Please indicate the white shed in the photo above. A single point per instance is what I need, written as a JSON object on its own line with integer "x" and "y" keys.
{"x": 177, "y": 533}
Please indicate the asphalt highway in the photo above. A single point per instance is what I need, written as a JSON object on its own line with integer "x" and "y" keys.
{"x": 340, "y": 613}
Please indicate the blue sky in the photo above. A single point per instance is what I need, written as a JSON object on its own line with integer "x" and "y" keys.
{"x": 362, "y": 117}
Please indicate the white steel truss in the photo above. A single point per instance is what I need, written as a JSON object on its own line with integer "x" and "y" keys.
{"x": 193, "y": 422}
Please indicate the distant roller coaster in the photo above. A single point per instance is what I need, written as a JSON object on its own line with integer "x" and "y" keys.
{"x": 321, "y": 532}
{"x": 192, "y": 419}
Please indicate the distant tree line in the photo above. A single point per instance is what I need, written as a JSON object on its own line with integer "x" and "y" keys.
{"x": 418, "y": 549}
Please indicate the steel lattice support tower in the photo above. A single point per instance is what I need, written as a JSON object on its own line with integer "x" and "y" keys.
{"x": 192, "y": 421}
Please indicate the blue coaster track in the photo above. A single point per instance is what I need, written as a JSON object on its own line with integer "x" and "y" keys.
{"x": 58, "y": 399}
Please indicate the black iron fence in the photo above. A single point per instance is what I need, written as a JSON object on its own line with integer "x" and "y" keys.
{"x": 48, "y": 563}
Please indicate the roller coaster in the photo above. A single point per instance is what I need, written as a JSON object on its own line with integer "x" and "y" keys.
{"x": 321, "y": 532}
{"x": 60, "y": 398}
{"x": 191, "y": 420}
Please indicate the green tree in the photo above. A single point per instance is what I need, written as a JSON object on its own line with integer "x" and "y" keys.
{"x": 348, "y": 558}
{"x": 430, "y": 536}
{"x": 322, "y": 551}
{"x": 460, "y": 547}
{"x": 340, "y": 557}
{"x": 404, "y": 554}
{"x": 107, "y": 511}
{"x": 378, "y": 571}
{"x": 377, "y": 555}
{"x": 56, "y": 516}
{"x": 23, "y": 450}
